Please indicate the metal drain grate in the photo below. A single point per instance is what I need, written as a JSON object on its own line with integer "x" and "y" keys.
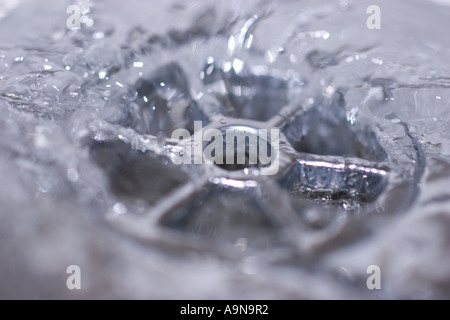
{"x": 219, "y": 207}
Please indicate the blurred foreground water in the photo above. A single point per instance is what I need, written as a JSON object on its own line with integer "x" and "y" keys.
{"x": 86, "y": 171}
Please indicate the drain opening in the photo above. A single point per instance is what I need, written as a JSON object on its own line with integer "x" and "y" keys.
{"x": 321, "y": 132}
{"x": 227, "y": 216}
{"x": 239, "y": 148}
{"x": 134, "y": 175}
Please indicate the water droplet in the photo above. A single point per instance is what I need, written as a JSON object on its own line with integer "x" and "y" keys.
{"x": 73, "y": 175}
{"x": 231, "y": 45}
{"x": 227, "y": 67}
{"x": 349, "y": 206}
{"x": 102, "y": 74}
{"x": 98, "y": 35}
{"x": 223, "y": 121}
{"x": 238, "y": 65}
{"x": 343, "y": 5}
{"x": 210, "y": 69}
{"x": 120, "y": 208}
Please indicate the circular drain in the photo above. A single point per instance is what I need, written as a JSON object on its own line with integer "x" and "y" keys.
{"x": 234, "y": 192}
{"x": 240, "y": 148}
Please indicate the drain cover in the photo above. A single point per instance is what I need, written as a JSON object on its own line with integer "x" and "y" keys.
{"x": 245, "y": 170}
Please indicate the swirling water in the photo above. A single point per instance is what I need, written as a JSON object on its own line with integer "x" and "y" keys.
{"x": 86, "y": 171}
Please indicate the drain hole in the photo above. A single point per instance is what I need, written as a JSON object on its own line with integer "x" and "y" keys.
{"x": 340, "y": 160}
{"x": 165, "y": 102}
{"x": 245, "y": 95}
{"x": 135, "y": 175}
{"x": 350, "y": 182}
{"x": 234, "y": 166}
{"x": 323, "y": 132}
{"x": 227, "y": 215}
{"x": 240, "y": 148}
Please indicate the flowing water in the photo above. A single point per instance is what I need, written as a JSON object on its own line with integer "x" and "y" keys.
{"x": 87, "y": 160}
